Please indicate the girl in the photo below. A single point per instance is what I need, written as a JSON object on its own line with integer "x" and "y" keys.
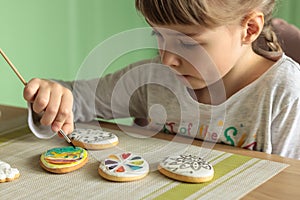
{"x": 212, "y": 79}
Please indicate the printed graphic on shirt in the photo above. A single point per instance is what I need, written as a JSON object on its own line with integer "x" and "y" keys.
{"x": 239, "y": 136}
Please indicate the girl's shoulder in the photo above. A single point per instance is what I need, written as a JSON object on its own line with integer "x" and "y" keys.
{"x": 285, "y": 71}
{"x": 282, "y": 79}
{"x": 278, "y": 87}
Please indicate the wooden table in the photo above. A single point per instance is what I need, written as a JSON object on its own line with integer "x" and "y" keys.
{"x": 285, "y": 185}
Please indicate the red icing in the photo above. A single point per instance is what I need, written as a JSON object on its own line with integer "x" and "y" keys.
{"x": 120, "y": 169}
{"x": 120, "y": 164}
{"x": 125, "y": 155}
{"x": 61, "y": 161}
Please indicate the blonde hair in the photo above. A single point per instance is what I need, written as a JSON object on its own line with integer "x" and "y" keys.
{"x": 210, "y": 13}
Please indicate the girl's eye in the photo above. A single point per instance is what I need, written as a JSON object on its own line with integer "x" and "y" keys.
{"x": 189, "y": 44}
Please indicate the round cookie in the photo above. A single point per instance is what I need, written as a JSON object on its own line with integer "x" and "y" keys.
{"x": 186, "y": 168}
{"x": 123, "y": 167}
{"x": 93, "y": 139}
{"x": 7, "y": 173}
{"x": 63, "y": 159}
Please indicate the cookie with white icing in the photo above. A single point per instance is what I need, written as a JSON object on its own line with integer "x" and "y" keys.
{"x": 7, "y": 173}
{"x": 187, "y": 168}
{"x": 123, "y": 167}
{"x": 93, "y": 139}
{"x": 63, "y": 159}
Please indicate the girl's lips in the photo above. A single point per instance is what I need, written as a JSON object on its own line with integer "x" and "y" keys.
{"x": 184, "y": 78}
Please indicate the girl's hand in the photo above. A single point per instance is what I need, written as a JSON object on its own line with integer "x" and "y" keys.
{"x": 54, "y": 101}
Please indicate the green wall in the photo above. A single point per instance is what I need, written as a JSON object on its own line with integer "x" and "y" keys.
{"x": 289, "y": 10}
{"x": 51, "y": 38}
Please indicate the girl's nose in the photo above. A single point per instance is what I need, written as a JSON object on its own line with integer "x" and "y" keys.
{"x": 170, "y": 59}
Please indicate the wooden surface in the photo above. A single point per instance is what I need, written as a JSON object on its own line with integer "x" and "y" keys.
{"x": 285, "y": 185}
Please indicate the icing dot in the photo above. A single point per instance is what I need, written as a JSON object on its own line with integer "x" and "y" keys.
{"x": 195, "y": 165}
{"x": 125, "y": 155}
{"x": 112, "y": 167}
{"x": 108, "y": 162}
{"x": 134, "y": 167}
{"x": 136, "y": 158}
{"x": 139, "y": 162}
{"x": 113, "y": 157}
{"x": 120, "y": 169}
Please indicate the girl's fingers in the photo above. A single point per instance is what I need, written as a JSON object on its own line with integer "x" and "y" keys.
{"x": 41, "y": 100}
{"x": 54, "y": 101}
{"x": 68, "y": 126}
{"x": 52, "y": 108}
{"x": 64, "y": 117}
{"x": 31, "y": 90}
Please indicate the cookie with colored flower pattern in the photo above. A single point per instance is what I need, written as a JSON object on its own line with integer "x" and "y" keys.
{"x": 123, "y": 167}
{"x": 63, "y": 159}
{"x": 187, "y": 168}
{"x": 93, "y": 139}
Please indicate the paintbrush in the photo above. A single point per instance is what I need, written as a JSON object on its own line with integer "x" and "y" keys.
{"x": 25, "y": 83}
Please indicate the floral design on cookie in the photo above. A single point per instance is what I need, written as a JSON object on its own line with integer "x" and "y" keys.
{"x": 187, "y": 168}
{"x": 125, "y": 162}
{"x": 93, "y": 139}
{"x": 7, "y": 173}
{"x": 187, "y": 163}
{"x": 124, "y": 167}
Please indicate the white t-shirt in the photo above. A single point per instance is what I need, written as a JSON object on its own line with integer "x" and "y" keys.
{"x": 263, "y": 116}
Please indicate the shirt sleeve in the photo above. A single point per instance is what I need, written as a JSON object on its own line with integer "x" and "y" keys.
{"x": 285, "y": 131}
{"x": 118, "y": 95}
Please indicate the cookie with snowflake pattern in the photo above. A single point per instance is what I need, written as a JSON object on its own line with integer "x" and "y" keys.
{"x": 187, "y": 168}
{"x": 93, "y": 139}
{"x": 123, "y": 167}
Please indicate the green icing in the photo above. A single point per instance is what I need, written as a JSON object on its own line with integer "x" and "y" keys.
{"x": 60, "y": 150}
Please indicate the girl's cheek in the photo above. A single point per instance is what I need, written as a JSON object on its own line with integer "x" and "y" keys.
{"x": 161, "y": 52}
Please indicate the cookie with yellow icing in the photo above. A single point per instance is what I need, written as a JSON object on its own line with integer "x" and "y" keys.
{"x": 7, "y": 173}
{"x": 93, "y": 139}
{"x": 123, "y": 167}
{"x": 63, "y": 159}
{"x": 187, "y": 168}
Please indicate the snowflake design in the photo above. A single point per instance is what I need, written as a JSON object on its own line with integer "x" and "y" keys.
{"x": 188, "y": 162}
{"x": 91, "y": 136}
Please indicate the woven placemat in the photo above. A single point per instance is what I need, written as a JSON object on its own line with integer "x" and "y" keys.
{"x": 235, "y": 175}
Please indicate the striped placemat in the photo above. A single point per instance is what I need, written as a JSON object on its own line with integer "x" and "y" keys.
{"x": 235, "y": 175}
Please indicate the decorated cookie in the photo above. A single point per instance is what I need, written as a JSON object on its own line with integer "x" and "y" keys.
{"x": 187, "y": 168}
{"x": 93, "y": 139}
{"x": 7, "y": 173}
{"x": 123, "y": 167}
{"x": 63, "y": 159}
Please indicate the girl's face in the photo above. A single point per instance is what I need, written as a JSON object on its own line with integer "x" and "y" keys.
{"x": 199, "y": 56}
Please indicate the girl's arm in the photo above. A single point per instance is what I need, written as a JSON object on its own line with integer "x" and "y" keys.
{"x": 121, "y": 94}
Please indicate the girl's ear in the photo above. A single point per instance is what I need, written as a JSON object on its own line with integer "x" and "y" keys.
{"x": 252, "y": 25}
